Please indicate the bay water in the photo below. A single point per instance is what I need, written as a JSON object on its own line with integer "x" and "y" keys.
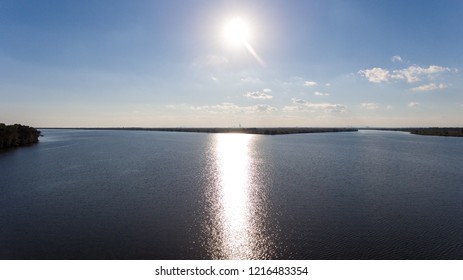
{"x": 101, "y": 194}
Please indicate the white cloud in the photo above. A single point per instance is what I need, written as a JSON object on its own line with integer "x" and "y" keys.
{"x": 298, "y": 101}
{"x": 310, "y": 83}
{"x": 396, "y": 58}
{"x": 264, "y": 94}
{"x": 327, "y": 84}
{"x": 434, "y": 69}
{"x": 389, "y": 107}
{"x": 413, "y": 104}
{"x": 428, "y": 87}
{"x": 317, "y": 93}
{"x": 411, "y": 74}
{"x": 376, "y": 74}
{"x": 263, "y": 108}
{"x": 415, "y": 73}
{"x": 306, "y": 106}
{"x": 370, "y": 106}
{"x": 232, "y": 108}
{"x": 292, "y": 109}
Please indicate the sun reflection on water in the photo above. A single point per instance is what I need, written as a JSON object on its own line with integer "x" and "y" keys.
{"x": 236, "y": 224}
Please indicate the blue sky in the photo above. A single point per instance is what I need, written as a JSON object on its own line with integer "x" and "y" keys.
{"x": 165, "y": 63}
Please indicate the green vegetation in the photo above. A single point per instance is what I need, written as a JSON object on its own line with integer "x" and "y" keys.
{"x": 17, "y": 135}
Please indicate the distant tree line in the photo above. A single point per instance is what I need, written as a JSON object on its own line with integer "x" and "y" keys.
{"x": 17, "y": 135}
{"x": 250, "y": 130}
{"x": 432, "y": 131}
{"x": 439, "y": 131}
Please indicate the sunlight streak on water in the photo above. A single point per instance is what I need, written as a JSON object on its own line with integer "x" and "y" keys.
{"x": 234, "y": 162}
{"x": 237, "y": 208}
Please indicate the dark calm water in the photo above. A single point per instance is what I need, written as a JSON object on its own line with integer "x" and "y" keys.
{"x": 163, "y": 195}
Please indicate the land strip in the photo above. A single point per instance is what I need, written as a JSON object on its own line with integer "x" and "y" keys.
{"x": 428, "y": 131}
{"x": 254, "y": 130}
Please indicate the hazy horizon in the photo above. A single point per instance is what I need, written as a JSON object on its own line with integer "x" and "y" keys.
{"x": 285, "y": 64}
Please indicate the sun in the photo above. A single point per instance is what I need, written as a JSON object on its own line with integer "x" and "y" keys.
{"x": 236, "y": 32}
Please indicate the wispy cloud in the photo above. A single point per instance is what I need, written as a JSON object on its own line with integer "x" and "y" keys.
{"x": 310, "y": 83}
{"x": 232, "y": 108}
{"x": 264, "y": 94}
{"x": 370, "y": 106}
{"x": 317, "y": 93}
{"x": 429, "y": 87}
{"x": 411, "y": 74}
{"x": 396, "y": 58}
{"x": 414, "y": 73}
{"x": 297, "y": 78}
{"x": 251, "y": 80}
{"x": 413, "y": 104}
{"x": 300, "y": 105}
{"x": 262, "y": 108}
{"x": 210, "y": 61}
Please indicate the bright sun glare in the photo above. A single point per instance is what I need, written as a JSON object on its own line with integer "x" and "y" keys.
{"x": 236, "y": 32}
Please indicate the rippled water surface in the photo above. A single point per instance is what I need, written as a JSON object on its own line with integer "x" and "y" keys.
{"x": 163, "y": 195}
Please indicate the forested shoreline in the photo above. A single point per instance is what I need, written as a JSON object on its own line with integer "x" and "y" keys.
{"x": 250, "y": 130}
{"x": 427, "y": 131}
{"x": 17, "y": 135}
{"x": 439, "y": 131}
